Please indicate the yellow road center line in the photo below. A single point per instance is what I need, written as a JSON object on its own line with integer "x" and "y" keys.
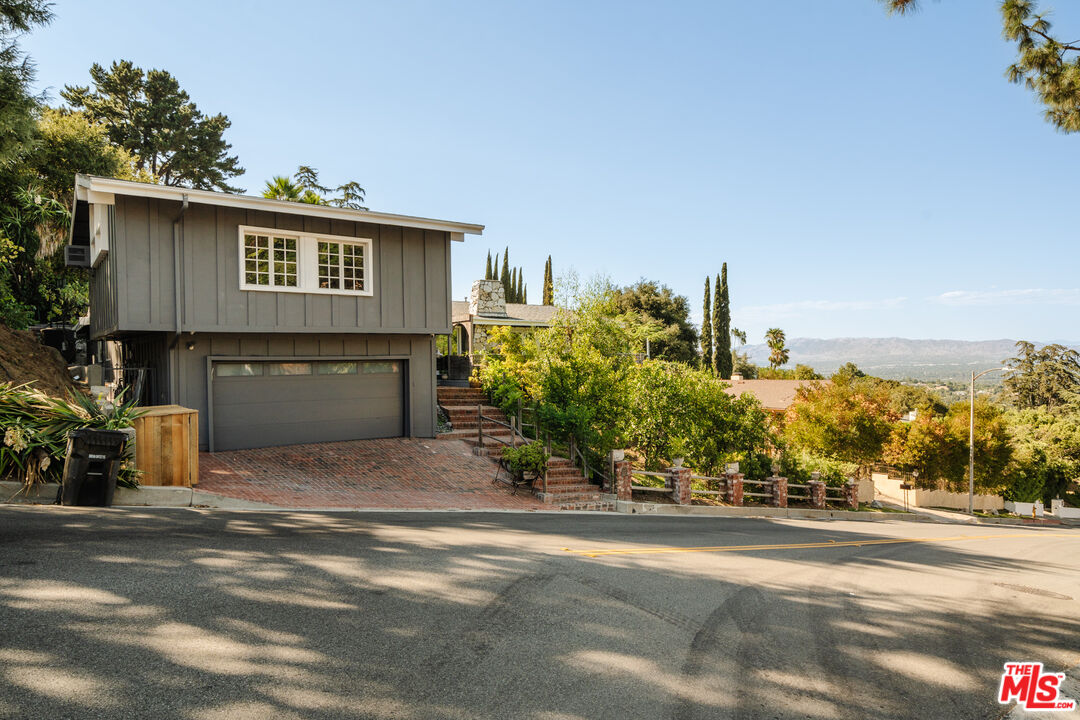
{"x": 804, "y": 546}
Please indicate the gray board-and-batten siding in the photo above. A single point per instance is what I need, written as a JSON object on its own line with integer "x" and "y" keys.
{"x": 188, "y": 381}
{"x": 133, "y": 290}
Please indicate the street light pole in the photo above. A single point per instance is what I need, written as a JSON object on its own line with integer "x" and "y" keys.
{"x": 971, "y": 438}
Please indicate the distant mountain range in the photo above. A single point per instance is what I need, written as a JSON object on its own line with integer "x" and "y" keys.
{"x": 896, "y": 358}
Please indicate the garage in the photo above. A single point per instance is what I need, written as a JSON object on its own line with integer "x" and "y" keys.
{"x": 261, "y": 404}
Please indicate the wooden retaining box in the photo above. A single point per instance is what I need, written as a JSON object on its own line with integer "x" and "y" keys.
{"x": 167, "y": 446}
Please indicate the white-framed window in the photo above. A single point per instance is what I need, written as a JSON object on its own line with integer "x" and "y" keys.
{"x": 286, "y": 261}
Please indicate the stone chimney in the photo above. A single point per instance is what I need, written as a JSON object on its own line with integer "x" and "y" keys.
{"x": 488, "y": 298}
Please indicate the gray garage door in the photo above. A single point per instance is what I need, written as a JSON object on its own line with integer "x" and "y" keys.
{"x": 259, "y": 404}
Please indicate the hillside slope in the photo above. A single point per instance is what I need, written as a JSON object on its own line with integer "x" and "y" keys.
{"x": 24, "y": 360}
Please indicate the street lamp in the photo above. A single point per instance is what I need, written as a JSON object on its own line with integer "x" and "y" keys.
{"x": 971, "y": 438}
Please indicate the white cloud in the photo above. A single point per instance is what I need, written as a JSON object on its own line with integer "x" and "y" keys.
{"x": 752, "y": 313}
{"x": 1030, "y": 296}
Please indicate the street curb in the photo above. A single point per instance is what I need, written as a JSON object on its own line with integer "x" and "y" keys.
{"x": 145, "y": 496}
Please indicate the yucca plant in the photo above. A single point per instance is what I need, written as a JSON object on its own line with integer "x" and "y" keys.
{"x": 36, "y": 428}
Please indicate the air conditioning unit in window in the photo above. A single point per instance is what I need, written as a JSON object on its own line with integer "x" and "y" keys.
{"x": 76, "y": 256}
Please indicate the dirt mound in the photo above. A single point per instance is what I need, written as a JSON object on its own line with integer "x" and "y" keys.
{"x": 24, "y": 360}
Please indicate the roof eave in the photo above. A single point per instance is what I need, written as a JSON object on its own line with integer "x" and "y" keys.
{"x": 87, "y": 184}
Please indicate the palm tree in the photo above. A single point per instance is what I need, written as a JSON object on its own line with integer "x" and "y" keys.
{"x": 778, "y": 354}
{"x": 282, "y": 188}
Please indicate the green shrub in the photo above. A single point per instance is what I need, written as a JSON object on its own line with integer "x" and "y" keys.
{"x": 531, "y": 458}
{"x": 36, "y": 428}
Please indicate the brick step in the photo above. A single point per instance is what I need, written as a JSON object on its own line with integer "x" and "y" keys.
{"x": 489, "y": 425}
{"x": 563, "y": 498}
{"x": 469, "y": 407}
{"x": 554, "y": 462}
{"x": 565, "y": 478}
{"x": 458, "y": 434}
{"x": 598, "y": 506}
{"x": 565, "y": 488}
{"x": 462, "y": 398}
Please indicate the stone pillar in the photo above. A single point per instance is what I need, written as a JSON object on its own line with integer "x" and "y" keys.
{"x": 817, "y": 494}
{"x": 623, "y": 481}
{"x": 779, "y": 491}
{"x": 851, "y": 494}
{"x": 680, "y": 484}
{"x": 734, "y": 489}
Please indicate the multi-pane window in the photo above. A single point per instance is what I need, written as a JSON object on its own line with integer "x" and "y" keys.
{"x": 352, "y": 267}
{"x": 341, "y": 266}
{"x": 330, "y": 265}
{"x": 271, "y": 260}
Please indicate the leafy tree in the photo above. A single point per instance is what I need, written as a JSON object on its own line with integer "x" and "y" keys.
{"x": 150, "y": 116}
{"x": 1044, "y": 377}
{"x": 1049, "y": 67}
{"x": 848, "y": 419}
{"x": 1047, "y": 446}
{"x": 68, "y": 143}
{"x": 675, "y": 337}
{"x": 487, "y": 268}
{"x": 723, "y": 324}
{"x": 778, "y": 352}
{"x": 706, "y": 329}
{"x": 17, "y": 104}
{"x": 849, "y": 371}
{"x": 34, "y": 285}
{"x": 675, "y": 408}
{"x": 549, "y": 284}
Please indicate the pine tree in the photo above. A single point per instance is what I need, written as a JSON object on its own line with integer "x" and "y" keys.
{"x": 487, "y": 272}
{"x": 723, "y": 324}
{"x": 716, "y": 313}
{"x": 505, "y": 276}
{"x": 549, "y": 284}
{"x": 706, "y": 328}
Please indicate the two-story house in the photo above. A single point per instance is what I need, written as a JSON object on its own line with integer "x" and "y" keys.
{"x": 280, "y": 322}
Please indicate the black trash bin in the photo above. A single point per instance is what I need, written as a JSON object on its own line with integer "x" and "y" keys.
{"x": 90, "y": 469}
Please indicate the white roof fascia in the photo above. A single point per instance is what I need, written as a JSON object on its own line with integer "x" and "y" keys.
{"x": 91, "y": 185}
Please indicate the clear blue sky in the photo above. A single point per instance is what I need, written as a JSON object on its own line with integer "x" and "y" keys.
{"x": 862, "y": 175}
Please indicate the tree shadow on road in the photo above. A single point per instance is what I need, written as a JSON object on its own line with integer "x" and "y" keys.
{"x": 213, "y": 614}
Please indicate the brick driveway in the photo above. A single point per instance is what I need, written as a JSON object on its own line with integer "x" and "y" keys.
{"x": 390, "y": 473}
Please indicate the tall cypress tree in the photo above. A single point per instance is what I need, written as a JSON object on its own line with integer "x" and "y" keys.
{"x": 505, "y": 276}
{"x": 706, "y": 328}
{"x": 716, "y": 312}
{"x": 515, "y": 284}
{"x": 525, "y": 295}
{"x": 495, "y": 269}
{"x": 549, "y": 284}
{"x": 723, "y": 324}
{"x": 487, "y": 272}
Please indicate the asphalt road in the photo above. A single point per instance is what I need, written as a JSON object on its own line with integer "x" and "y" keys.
{"x": 210, "y": 614}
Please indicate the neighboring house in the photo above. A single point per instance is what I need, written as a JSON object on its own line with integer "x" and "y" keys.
{"x": 776, "y": 396}
{"x": 487, "y": 308}
{"x": 280, "y": 322}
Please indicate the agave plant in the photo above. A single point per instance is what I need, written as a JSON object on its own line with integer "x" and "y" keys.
{"x": 36, "y": 427}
